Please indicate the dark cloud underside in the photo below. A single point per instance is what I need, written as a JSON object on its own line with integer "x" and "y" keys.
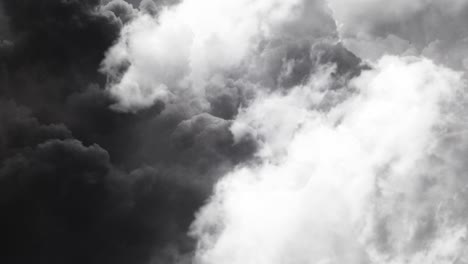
{"x": 83, "y": 183}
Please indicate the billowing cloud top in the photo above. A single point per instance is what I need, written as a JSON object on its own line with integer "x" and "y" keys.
{"x": 188, "y": 46}
{"x": 233, "y": 131}
{"x": 432, "y": 28}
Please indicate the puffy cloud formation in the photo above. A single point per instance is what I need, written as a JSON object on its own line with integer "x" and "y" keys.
{"x": 81, "y": 183}
{"x": 365, "y": 174}
{"x": 232, "y": 131}
{"x": 433, "y": 28}
{"x": 173, "y": 57}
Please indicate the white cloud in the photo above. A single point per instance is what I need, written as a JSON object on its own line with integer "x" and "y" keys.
{"x": 346, "y": 183}
{"x": 368, "y": 173}
{"x": 372, "y": 28}
{"x": 174, "y": 55}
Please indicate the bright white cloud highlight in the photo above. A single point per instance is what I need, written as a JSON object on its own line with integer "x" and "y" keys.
{"x": 345, "y": 176}
{"x": 173, "y": 56}
{"x": 372, "y": 172}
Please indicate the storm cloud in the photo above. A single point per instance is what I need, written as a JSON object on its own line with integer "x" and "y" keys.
{"x": 80, "y": 181}
{"x": 233, "y": 131}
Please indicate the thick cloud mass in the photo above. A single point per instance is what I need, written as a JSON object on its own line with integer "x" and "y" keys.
{"x": 174, "y": 57}
{"x": 368, "y": 180}
{"x": 434, "y": 28}
{"x": 233, "y": 131}
{"x": 82, "y": 183}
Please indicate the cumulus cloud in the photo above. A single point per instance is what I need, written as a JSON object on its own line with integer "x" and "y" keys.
{"x": 436, "y": 29}
{"x": 82, "y": 183}
{"x": 172, "y": 57}
{"x": 121, "y": 9}
{"x": 232, "y": 131}
{"x": 352, "y": 183}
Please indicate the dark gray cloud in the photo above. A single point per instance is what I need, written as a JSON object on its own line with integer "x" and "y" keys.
{"x": 83, "y": 183}
{"x": 56, "y": 48}
{"x": 65, "y": 202}
{"x": 121, "y": 10}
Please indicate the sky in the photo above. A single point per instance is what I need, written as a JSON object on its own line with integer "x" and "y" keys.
{"x": 233, "y": 131}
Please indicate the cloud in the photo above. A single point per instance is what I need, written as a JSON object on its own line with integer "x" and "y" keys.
{"x": 350, "y": 183}
{"x": 65, "y": 202}
{"x": 50, "y": 59}
{"x": 82, "y": 182}
{"x": 144, "y": 67}
{"x": 119, "y": 120}
{"x": 434, "y": 28}
{"x": 121, "y": 9}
